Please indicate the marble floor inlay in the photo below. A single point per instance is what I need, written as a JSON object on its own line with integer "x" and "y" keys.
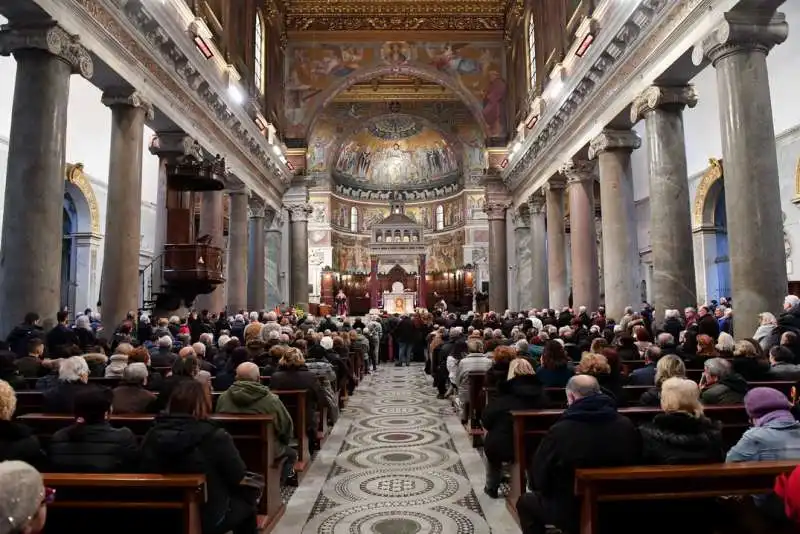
{"x": 397, "y": 462}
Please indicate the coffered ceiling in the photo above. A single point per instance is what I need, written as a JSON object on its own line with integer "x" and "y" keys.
{"x": 337, "y": 15}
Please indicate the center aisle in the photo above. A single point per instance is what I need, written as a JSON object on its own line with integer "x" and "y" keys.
{"x": 397, "y": 462}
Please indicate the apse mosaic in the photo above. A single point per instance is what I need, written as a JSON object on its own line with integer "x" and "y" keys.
{"x": 477, "y": 68}
{"x": 396, "y": 151}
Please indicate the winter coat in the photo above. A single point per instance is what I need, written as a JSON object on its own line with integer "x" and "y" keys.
{"x": 168, "y": 385}
{"x": 30, "y": 367}
{"x": 61, "y": 397}
{"x": 520, "y": 393}
{"x": 181, "y": 444}
{"x": 116, "y": 366}
{"x": 775, "y": 440}
{"x": 763, "y": 335}
{"x": 729, "y": 390}
{"x": 18, "y": 338}
{"x": 651, "y": 397}
{"x": 555, "y": 378}
{"x": 677, "y": 438}
{"x": 93, "y": 448}
{"x": 751, "y": 369}
{"x": 644, "y": 376}
{"x": 60, "y": 336}
{"x": 300, "y": 378}
{"x": 163, "y": 357}
{"x": 784, "y": 371}
{"x": 132, "y": 398}
{"x": 590, "y": 433}
{"x": 673, "y": 326}
{"x": 18, "y": 442}
{"x": 245, "y": 397}
{"x": 497, "y": 374}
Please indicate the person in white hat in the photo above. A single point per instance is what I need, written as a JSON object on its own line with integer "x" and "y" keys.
{"x": 23, "y": 499}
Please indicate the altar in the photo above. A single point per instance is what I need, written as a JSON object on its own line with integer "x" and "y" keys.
{"x": 398, "y": 300}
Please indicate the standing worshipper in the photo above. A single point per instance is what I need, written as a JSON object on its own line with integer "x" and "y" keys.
{"x": 341, "y": 304}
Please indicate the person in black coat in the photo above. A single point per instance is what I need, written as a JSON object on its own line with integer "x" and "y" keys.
{"x": 18, "y": 338}
{"x": 73, "y": 376}
{"x": 184, "y": 369}
{"x": 183, "y": 440}
{"x": 646, "y": 376}
{"x": 91, "y": 444}
{"x": 17, "y": 441}
{"x": 522, "y": 391}
{"x": 749, "y": 362}
{"x": 590, "y": 433}
{"x": 672, "y": 323}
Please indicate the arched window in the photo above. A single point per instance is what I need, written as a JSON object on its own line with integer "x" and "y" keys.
{"x": 439, "y": 217}
{"x": 532, "y": 52}
{"x": 259, "y": 46}
{"x": 353, "y": 219}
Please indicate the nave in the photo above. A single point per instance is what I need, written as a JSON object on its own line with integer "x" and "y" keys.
{"x": 398, "y": 461}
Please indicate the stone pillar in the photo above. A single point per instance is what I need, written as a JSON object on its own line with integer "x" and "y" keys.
{"x": 556, "y": 244}
{"x": 522, "y": 244}
{"x": 212, "y": 221}
{"x": 274, "y": 241}
{"x": 237, "y": 251}
{"x": 34, "y": 197}
{"x": 422, "y": 299}
{"x": 255, "y": 254}
{"x": 120, "y": 284}
{"x": 498, "y": 262}
{"x": 613, "y": 148}
{"x": 298, "y": 232}
{"x": 674, "y": 284}
{"x": 373, "y": 280}
{"x": 738, "y": 50}
{"x": 585, "y": 277}
{"x": 538, "y": 252}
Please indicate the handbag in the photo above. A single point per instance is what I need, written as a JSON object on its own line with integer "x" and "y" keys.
{"x": 252, "y": 486}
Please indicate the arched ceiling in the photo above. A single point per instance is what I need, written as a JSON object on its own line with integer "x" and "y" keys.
{"x": 396, "y": 151}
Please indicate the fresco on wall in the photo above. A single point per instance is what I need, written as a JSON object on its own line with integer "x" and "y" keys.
{"x": 311, "y": 68}
{"x": 471, "y": 137}
{"x": 475, "y": 204}
{"x": 319, "y": 144}
{"x": 350, "y": 253}
{"x": 446, "y": 252}
{"x": 396, "y": 150}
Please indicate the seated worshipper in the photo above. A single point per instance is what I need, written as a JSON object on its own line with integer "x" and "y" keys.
{"x": 766, "y": 327}
{"x": 163, "y": 357}
{"x": 184, "y": 440}
{"x": 781, "y": 366}
{"x": 17, "y": 441}
{"x": 91, "y": 444}
{"x": 183, "y": 370}
{"x": 200, "y": 351}
{"x": 23, "y": 499}
{"x": 154, "y": 378}
{"x": 597, "y": 366}
{"x": 720, "y": 385}
{"x": 501, "y": 362}
{"x": 84, "y": 333}
{"x": 30, "y": 366}
{"x": 130, "y": 396}
{"x": 474, "y": 362}
{"x": 667, "y": 367}
{"x": 61, "y": 336}
{"x": 274, "y": 355}
{"x": 326, "y": 377}
{"x": 706, "y": 350}
{"x": 73, "y": 375}
{"x": 627, "y": 349}
{"x": 646, "y": 376}
{"x": 227, "y": 375}
{"x": 589, "y": 434}
{"x": 725, "y": 345}
{"x": 555, "y": 369}
{"x": 293, "y": 373}
{"x": 750, "y": 362}
{"x": 9, "y": 372}
{"x": 521, "y": 391}
{"x": 249, "y": 396}
{"x": 666, "y": 342}
{"x": 118, "y": 361}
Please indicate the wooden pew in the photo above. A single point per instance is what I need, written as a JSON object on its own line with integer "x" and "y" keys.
{"x": 109, "y": 382}
{"x": 143, "y": 493}
{"x": 295, "y": 402}
{"x": 530, "y": 426}
{"x": 646, "y": 483}
{"x": 253, "y": 435}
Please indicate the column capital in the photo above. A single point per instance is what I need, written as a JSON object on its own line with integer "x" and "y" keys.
{"x": 299, "y": 212}
{"x": 256, "y": 207}
{"x": 609, "y": 140}
{"x": 555, "y": 183}
{"x": 656, "y": 96}
{"x": 174, "y": 144}
{"x": 744, "y": 29}
{"x": 50, "y": 38}
{"x": 127, "y": 98}
{"x": 496, "y": 210}
{"x": 578, "y": 170}
{"x": 521, "y": 216}
{"x": 270, "y": 215}
{"x": 536, "y": 203}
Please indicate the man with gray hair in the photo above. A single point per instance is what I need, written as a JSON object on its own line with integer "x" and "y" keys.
{"x": 163, "y": 355}
{"x": 720, "y": 385}
{"x": 589, "y": 433}
{"x": 131, "y": 396}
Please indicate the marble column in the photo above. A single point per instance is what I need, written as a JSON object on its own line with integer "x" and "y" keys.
{"x": 255, "y": 254}
{"x": 498, "y": 262}
{"x": 237, "y": 251}
{"x": 522, "y": 246}
{"x": 212, "y": 221}
{"x": 585, "y": 276}
{"x": 538, "y": 252}
{"x": 621, "y": 276}
{"x": 422, "y": 298}
{"x": 274, "y": 242}
{"x": 120, "y": 284}
{"x": 556, "y": 244}
{"x": 738, "y": 50}
{"x": 298, "y": 232}
{"x": 373, "y": 281}
{"x": 674, "y": 284}
{"x": 30, "y": 276}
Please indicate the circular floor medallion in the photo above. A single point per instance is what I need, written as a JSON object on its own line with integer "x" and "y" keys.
{"x": 393, "y": 422}
{"x": 417, "y": 488}
{"x": 411, "y": 459}
{"x": 398, "y": 438}
{"x": 396, "y": 526}
{"x": 382, "y": 519}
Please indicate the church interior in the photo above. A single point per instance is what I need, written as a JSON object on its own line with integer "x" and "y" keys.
{"x": 385, "y": 159}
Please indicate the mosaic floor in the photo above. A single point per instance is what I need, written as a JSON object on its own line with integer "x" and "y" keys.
{"x": 397, "y": 462}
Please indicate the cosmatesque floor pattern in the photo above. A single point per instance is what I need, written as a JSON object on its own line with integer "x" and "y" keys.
{"x": 397, "y": 462}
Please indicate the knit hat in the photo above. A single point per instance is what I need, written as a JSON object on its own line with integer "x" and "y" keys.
{"x": 766, "y": 403}
{"x": 788, "y": 489}
{"x": 21, "y": 494}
